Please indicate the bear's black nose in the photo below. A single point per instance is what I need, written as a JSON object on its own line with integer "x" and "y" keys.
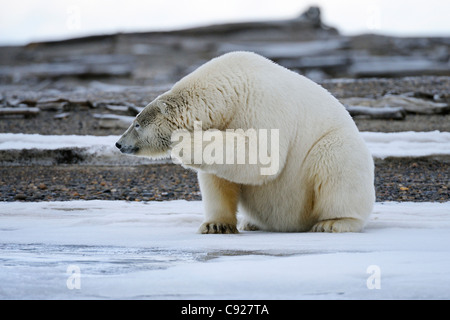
{"x": 118, "y": 145}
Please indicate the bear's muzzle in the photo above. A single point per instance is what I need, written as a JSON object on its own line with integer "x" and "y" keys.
{"x": 126, "y": 149}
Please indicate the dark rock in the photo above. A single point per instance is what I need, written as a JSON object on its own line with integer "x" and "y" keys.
{"x": 68, "y": 156}
{"x": 20, "y": 196}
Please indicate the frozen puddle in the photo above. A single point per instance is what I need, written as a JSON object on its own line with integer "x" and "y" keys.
{"x": 123, "y": 250}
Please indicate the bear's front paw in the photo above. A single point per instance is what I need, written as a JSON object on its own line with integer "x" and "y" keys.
{"x": 217, "y": 227}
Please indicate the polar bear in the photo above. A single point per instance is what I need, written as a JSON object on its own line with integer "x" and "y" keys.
{"x": 323, "y": 180}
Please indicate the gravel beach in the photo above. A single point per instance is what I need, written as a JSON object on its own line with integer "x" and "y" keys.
{"x": 396, "y": 179}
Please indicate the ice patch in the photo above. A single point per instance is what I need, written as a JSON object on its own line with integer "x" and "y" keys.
{"x": 152, "y": 251}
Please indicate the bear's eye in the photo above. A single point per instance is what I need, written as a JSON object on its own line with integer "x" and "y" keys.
{"x": 137, "y": 126}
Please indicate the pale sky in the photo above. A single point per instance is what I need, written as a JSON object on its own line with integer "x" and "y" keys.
{"x": 22, "y": 21}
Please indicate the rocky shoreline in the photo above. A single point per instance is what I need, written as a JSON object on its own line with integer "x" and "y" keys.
{"x": 396, "y": 179}
{"x": 66, "y": 87}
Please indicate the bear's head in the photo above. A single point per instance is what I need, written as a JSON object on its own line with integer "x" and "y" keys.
{"x": 150, "y": 133}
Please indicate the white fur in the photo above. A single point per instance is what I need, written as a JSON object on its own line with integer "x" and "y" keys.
{"x": 325, "y": 176}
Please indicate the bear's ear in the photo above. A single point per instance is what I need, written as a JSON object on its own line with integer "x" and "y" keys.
{"x": 163, "y": 107}
{"x": 166, "y": 108}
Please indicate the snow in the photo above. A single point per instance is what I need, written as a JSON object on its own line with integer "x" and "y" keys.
{"x": 407, "y": 144}
{"x": 16, "y": 141}
{"x": 134, "y": 250}
{"x": 382, "y": 145}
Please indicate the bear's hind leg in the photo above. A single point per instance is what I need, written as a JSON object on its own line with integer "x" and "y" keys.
{"x": 248, "y": 226}
{"x": 220, "y": 198}
{"x": 341, "y": 179}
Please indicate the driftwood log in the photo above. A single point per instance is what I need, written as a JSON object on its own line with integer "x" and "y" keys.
{"x": 27, "y": 112}
{"x": 113, "y": 121}
{"x": 390, "y": 104}
{"x": 387, "y": 113}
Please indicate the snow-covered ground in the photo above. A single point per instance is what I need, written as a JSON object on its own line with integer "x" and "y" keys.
{"x": 121, "y": 250}
{"x": 408, "y": 144}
